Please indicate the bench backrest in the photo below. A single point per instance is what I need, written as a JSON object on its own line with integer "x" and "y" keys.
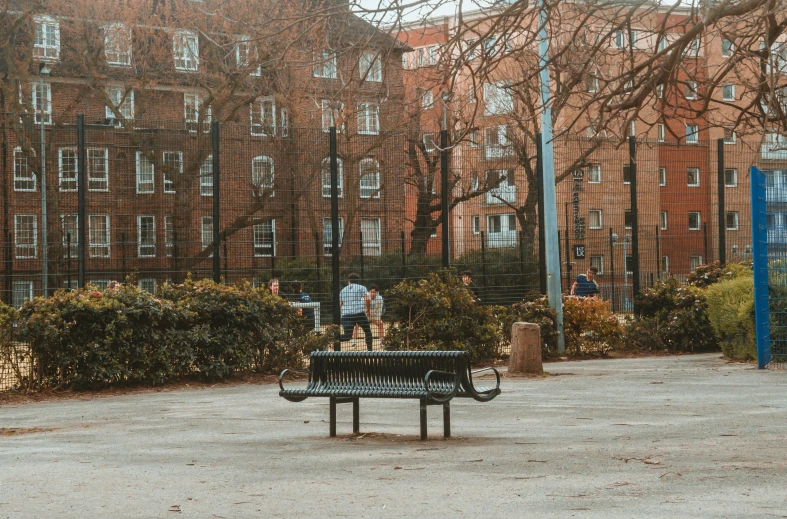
{"x": 385, "y": 369}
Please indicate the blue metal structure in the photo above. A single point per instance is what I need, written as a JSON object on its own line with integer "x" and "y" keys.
{"x": 769, "y": 248}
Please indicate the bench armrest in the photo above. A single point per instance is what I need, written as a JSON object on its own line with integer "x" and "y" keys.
{"x": 441, "y": 397}
{"x": 486, "y": 395}
{"x": 281, "y": 376}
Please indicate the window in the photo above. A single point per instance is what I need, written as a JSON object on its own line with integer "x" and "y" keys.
{"x": 122, "y": 100}
{"x": 148, "y": 285}
{"x": 693, "y": 177}
{"x": 693, "y": 49}
{"x": 68, "y": 224}
{"x": 100, "y": 284}
{"x": 691, "y": 90}
{"x": 595, "y": 220}
{"x": 727, "y": 48}
{"x": 326, "y": 177}
{"x": 146, "y": 236}
{"x": 42, "y": 104}
{"x": 368, "y": 118}
{"x": 145, "y": 174}
{"x": 207, "y": 233}
{"x": 729, "y": 136}
{"x": 496, "y": 142}
{"x": 433, "y": 52}
{"x": 732, "y": 220}
{"x": 192, "y": 104}
{"x": 471, "y": 49}
{"x": 598, "y": 262}
{"x": 370, "y": 233}
{"x": 369, "y": 174}
{"x": 476, "y": 222}
{"x": 262, "y": 176}
{"x": 728, "y": 92}
{"x": 661, "y": 133}
{"x": 206, "y": 177}
{"x": 117, "y": 45}
{"x": 498, "y": 99}
{"x": 429, "y": 143}
{"x": 172, "y": 161}
{"x": 626, "y": 173}
{"x": 98, "y": 235}
{"x": 629, "y": 264}
{"x": 22, "y": 291}
{"x": 628, "y": 219}
{"x": 427, "y": 99}
{"x": 46, "y": 45}
{"x": 694, "y": 262}
{"x": 24, "y": 178}
{"x": 263, "y": 117}
{"x": 594, "y": 173}
{"x": 660, "y": 91}
{"x": 501, "y": 230}
{"x": 662, "y": 176}
{"x": 628, "y": 87}
{"x": 664, "y": 220}
{"x": 490, "y": 46}
{"x": 475, "y": 139}
{"x": 284, "y": 121}
{"x": 692, "y": 134}
{"x": 591, "y": 83}
{"x": 502, "y": 187}
{"x": 332, "y": 115}
{"x": 694, "y": 220}
{"x": 185, "y": 47}
{"x": 97, "y": 169}
{"x": 325, "y": 65}
{"x": 169, "y": 236}
{"x": 662, "y": 44}
{"x": 633, "y": 129}
{"x": 67, "y": 169}
{"x": 25, "y": 236}
{"x": 265, "y": 239}
{"x": 665, "y": 263}
{"x": 730, "y": 177}
{"x": 471, "y": 94}
{"x": 371, "y": 67}
{"x": 327, "y": 235}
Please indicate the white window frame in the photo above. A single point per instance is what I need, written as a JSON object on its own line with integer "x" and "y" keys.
{"x": 148, "y": 285}
{"x": 736, "y": 219}
{"x": 192, "y": 112}
{"x": 146, "y": 245}
{"x": 327, "y": 230}
{"x": 372, "y": 188}
{"x": 599, "y": 217}
{"x": 332, "y": 111}
{"x": 695, "y": 172}
{"x": 206, "y": 232}
{"x": 23, "y": 289}
{"x": 368, "y": 118}
{"x": 661, "y": 135}
{"x": 263, "y": 180}
{"x": 728, "y": 92}
{"x": 124, "y": 105}
{"x": 691, "y": 90}
{"x": 70, "y": 165}
{"x": 46, "y": 38}
{"x": 664, "y": 263}
{"x": 325, "y": 65}
{"x": 476, "y": 223}
{"x": 496, "y": 142}
{"x": 260, "y": 243}
{"x": 118, "y": 45}
{"x": 427, "y": 99}
{"x": 591, "y": 83}
{"x": 662, "y": 176}
{"x": 93, "y": 158}
{"x": 732, "y": 138}
{"x": 730, "y": 48}
{"x": 598, "y": 262}
{"x": 185, "y": 50}
{"x": 143, "y": 186}
{"x": 70, "y": 223}
{"x": 371, "y": 67}
{"x": 507, "y": 236}
{"x": 695, "y": 260}
{"x": 206, "y": 176}
{"x": 594, "y": 174}
{"x": 169, "y": 235}
{"x": 498, "y": 99}
{"x": 734, "y": 182}
{"x": 699, "y": 221}
{"x": 325, "y": 175}
{"x": 169, "y": 184}
{"x": 99, "y": 246}
{"x": 20, "y": 221}
{"x": 262, "y": 114}
{"x": 46, "y": 112}
{"x": 692, "y": 134}
{"x": 25, "y": 180}
{"x": 371, "y": 230}
{"x": 664, "y": 222}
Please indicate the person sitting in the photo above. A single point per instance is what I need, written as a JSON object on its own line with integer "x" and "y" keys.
{"x": 586, "y": 285}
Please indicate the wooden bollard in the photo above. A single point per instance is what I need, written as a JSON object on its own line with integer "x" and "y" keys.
{"x": 525, "y": 349}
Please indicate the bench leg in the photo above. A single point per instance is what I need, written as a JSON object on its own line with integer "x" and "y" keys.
{"x": 356, "y": 416}
{"x": 447, "y": 420}
{"x": 423, "y": 419}
{"x": 333, "y": 416}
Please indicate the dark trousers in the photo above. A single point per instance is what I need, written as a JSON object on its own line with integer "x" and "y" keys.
{"x": 349, "y": 322}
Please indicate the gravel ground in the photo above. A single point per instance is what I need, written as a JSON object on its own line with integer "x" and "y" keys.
{"x": 667, "y": 437}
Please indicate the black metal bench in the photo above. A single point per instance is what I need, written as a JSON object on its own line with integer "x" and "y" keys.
{"x": 433, "y": 377}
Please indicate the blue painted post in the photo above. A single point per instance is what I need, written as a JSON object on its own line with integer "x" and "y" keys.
{"x": 760, "y": 265}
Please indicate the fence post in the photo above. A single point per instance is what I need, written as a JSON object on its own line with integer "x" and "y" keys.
{"x": 658, "y": 250}
{"x": 81, "y": 221}
{"x": 542, "y": 250}
{"x": 444, "y": 196}
{"x": 360, "y": 236}
{"x": 483, "y": 263}
{"x": 318, "y": 257}
{"x": 404, "y": 258}
{"x": 634, "y": 215}
{"x": 705, "y": 241}
{"x": 759, "y": 242}
{"x": 612, "y": 266}
{"x": 335, "y": 248}
{"x": 214, "y": 136}
{"x": 68, "y": 260}
{"x": 722, "y": 209}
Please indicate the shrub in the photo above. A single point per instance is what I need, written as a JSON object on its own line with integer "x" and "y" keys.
{"x": 706, "y": 275}
{"x": 731, "y": 312}
{"x": 538, "y": 312}
{"x": 590, "y": 326}
{"x": 440, "y": 313}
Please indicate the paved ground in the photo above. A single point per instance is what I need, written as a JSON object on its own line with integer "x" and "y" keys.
{"x": 663, "y": 437}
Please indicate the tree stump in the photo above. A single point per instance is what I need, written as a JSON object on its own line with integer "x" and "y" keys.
{"x": 525, "y": 349}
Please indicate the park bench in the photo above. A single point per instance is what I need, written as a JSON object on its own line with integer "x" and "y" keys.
{"x": 433, "y": 377}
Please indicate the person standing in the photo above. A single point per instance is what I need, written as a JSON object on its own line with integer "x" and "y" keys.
{"x": 354, "y": 303}
{"x": 586, "y": 285}
{"x": 299, "y": 296}
{"x": 376, "y": 308}
{"x": 273, "y": 286}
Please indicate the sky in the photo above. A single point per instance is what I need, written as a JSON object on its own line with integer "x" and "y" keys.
{"x": 444, "y": 7}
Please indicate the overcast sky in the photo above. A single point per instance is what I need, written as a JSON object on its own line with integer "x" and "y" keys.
{"x": 444, "y": 7}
